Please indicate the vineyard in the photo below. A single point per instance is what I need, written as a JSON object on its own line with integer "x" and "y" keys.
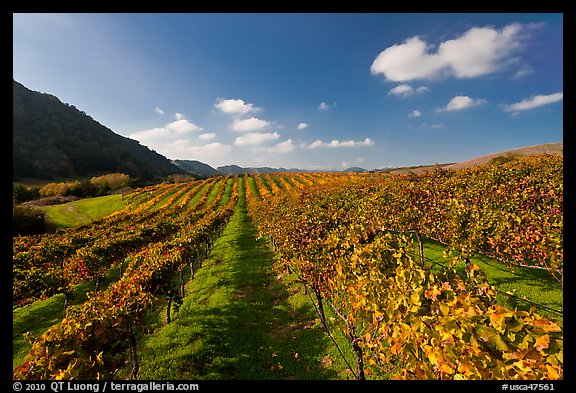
{"x": 354, "y": 242}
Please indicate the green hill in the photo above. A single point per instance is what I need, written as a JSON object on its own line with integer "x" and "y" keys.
{"x": 55, "y": 140}
{"x": 545, "y": 148}
{"x": 83, "y": 211}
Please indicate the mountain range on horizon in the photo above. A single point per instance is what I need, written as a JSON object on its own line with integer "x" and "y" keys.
{"x": 54, "y": 140}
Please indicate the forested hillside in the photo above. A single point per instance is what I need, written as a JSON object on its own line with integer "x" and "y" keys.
{"x": 55, "y": 140}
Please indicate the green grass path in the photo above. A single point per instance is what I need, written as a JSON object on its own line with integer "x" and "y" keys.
{"x": 240, "y": 320}
{"x": 83, "y": 211}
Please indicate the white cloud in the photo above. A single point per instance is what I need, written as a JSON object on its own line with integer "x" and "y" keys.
{"x": 282, "y": 147}
{"x": 461, "y": 102}
{"x": 235, "y": 106}
{"x": 438, "y": 125}
{"x": 182, "y": 126}
{"x": 207, "y": 136}
{"x": 302, "y": 126}
{"x": 401, "y": 90}
{"x": 427, "y": 126}
{"x": 179, "y": 116}
{"x": 250, "y": 124}
{"x": 405, "y": 90}
{"x": 163, "y": 136}
{"x": 170, "y": 130}
{"x": 172, "y": 145}
{"x": 479, "y": 51}
{"x": 523, "y": 71}
{"x": 150, "y": 135}
{"x": 336, "y": 143}
{"x": 205, "y": 153}
{"x": 159, "y": 111}
{"x": 415, "y": 113}
{"x": 534, "y": 102}
{"x": 255, "y": 138}
{"x": 323, "y": 106}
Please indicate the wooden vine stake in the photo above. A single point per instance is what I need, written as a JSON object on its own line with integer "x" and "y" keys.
{"x": 66, "y": 303}
{"x": 133, "y": 355}
{"x": 181, "y": 271}
{"x": 420, "y": 249}
{"x": 168, "y": 307}
{"x": 321, "y": 310}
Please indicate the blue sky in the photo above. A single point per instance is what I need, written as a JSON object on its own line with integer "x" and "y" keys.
{"x": 315, "y": 91}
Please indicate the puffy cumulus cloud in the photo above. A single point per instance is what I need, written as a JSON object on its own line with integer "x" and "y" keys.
{"x": 173, "y": 146}
{"x": 283, "y": 147}
{"x": 462, "y": 102}
{"x": 534, "y": 102}
{"x": 250, "y": 124}
{"x": 336, "y": 143}
{"x": 255, "y": 138}
{"x": 159, "y": 110}
{"x": 178, "y": 127}
{"x": 207, "y": 137}
{"x": 401, "y": 90}
{"x": 168, "y": 139}
{"x": 302, "y": 126}
{"x": 405, "y": 90}
{"x": 235, "y": 106}
{"x": 415, "y": 113}
{"x": 204, "y": 153}
{"x": 182, "y": 126}
{"x": 479, "y": 51}
{"x": 169, "y": 131}
{"x": 150, "y": 135}
{"x": 323, "y": 106}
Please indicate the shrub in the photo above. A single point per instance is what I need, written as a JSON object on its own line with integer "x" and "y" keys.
{"x": 502, "y": 159}
{"x": 110, "y": 182}
{"x": 27, "y": 220}
{"x": 22, "y": 193}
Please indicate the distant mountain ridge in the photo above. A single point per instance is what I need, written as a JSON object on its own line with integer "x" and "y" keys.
{"x": 355, "y": 169}
{"x": 237, "y": 170}
{"x": 199, "y": 168}
{"x": 195, "y": 167}
{"x": 54, "y": 140}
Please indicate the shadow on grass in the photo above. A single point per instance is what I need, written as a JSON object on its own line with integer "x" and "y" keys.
{"x": 238, "y": 321}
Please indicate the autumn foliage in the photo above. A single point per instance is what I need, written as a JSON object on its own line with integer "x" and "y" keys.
{"x": 349, "y": 240}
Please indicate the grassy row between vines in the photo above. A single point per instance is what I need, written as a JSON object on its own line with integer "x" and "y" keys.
{"x": 240, "y": 320}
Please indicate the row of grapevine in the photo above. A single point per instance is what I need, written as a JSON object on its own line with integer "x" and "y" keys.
{"x": 349, "y": 240}
{"x": 59, "y": 261}
{"x": 97, "y": 337}
{"x": 511, "y": 212}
